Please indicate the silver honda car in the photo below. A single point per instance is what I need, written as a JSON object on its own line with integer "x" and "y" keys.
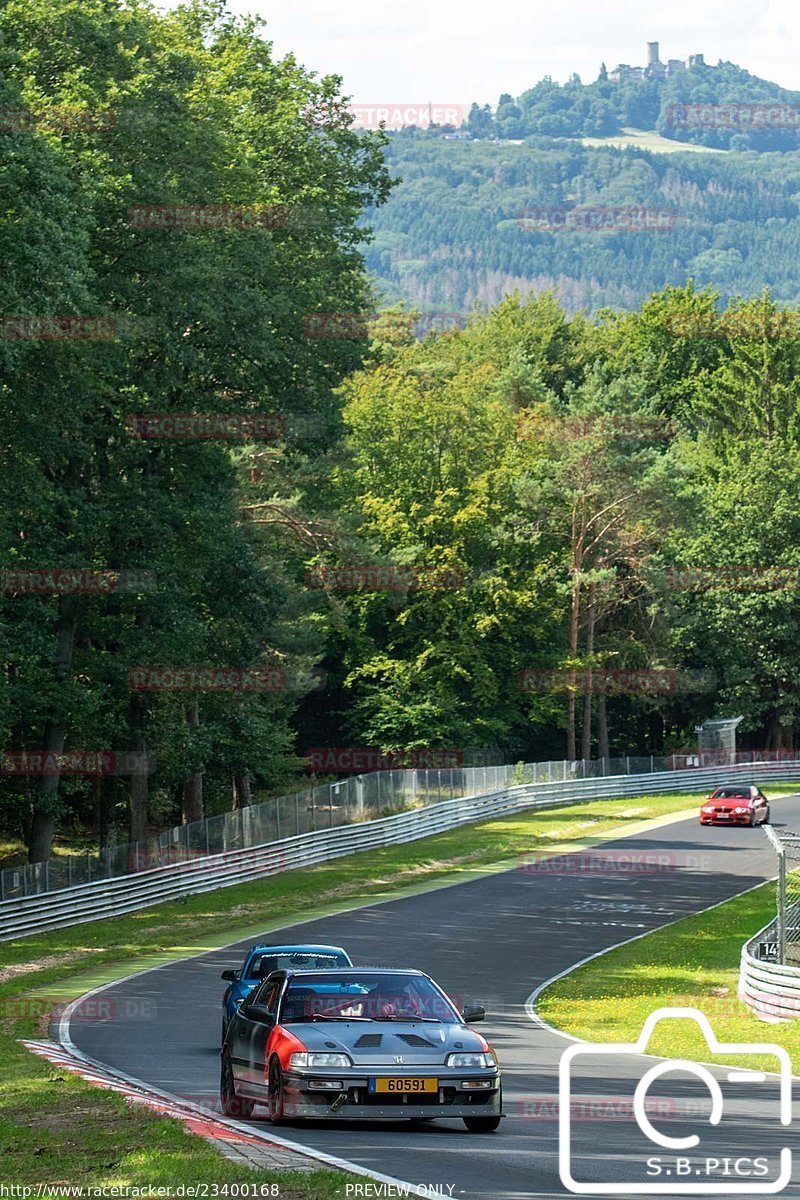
{"x": 358, "y": 1044}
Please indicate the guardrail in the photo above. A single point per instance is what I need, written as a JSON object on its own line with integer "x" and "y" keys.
{"x": 322, "y": 806}
{"x": 111, "y": 897}
{"x": 771, "y": 989}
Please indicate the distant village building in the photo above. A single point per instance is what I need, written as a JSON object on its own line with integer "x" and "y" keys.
{"x": 655, "y": 68}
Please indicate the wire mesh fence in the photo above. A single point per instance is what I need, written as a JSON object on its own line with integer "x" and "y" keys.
{"x": 353, "y": 799}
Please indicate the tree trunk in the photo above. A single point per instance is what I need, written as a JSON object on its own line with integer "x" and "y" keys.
{"x": 586, "y": 738}
{"x": 192, "y": 797}
{"x": 43, "y": 818}
{"x": 578, "y": 539}
{"x": 242, "y": 797}
{"x": 139, "y": 780}
{"x": 602, "y": 727}
{"x": 107, "y": 819}
{"x": 773, "y": 731}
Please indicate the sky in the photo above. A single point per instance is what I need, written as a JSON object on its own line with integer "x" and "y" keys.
{"x": 457, "y": 51}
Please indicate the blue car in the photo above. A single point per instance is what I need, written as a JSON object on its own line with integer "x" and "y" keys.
{"x": 260, "y": 961}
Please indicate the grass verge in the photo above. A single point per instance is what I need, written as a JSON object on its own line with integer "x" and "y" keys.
{"x": 693, "y": 962}
{"x": 59, "y": 1130}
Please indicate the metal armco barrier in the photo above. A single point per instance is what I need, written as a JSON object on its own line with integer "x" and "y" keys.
{"x": 771, "y": 989}
{"x": 112, "y": 897}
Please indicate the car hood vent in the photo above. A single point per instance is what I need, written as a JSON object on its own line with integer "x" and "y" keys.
{"x": 368, "y": 1039}
{"x": 413, "y": 1039}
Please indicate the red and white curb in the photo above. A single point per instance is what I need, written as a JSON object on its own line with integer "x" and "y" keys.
{"x": 231, "y": 1139}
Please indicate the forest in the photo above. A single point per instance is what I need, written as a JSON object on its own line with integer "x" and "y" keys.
{"x": 231, "y": 532}
{"x": 457, "y": 231}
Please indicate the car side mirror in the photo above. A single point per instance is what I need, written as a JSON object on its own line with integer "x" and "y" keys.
{"x": 230, "y": 976}
{"x": 259, "y": 1013}
{"x": 473, "y": 1012}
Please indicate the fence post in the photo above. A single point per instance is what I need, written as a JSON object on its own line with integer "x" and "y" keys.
{"x": 652, "y": 768}
{"x": 296, "y": 814}
{"x": 627, "y": 764}
{"x": 782, "y": 905}
{"x": 278, "y": 816}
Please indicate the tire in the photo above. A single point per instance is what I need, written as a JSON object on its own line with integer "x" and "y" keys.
{"x": 765, "y": 820}
{"x": 752, "y": 821}
{"x": 232, "y": 1105}
{"x": 276, "y": 1101}
{"x": 482, "y": 1124}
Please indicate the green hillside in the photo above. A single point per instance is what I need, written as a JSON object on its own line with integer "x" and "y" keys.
{"x": 454, "y": 232}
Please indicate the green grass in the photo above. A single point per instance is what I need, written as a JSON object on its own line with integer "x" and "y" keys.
{"x": 693, "y": 962}
{"x": 649, "y": 140}
{"x": 58, "y": 1130}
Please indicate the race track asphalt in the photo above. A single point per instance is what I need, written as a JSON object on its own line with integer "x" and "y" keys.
{"x": 495, "y": 940}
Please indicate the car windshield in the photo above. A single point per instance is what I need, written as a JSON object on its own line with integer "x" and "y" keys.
{"x": 263, "y": 965}
{"x": 732, "y": 794}
{"x": 385, "y": 997}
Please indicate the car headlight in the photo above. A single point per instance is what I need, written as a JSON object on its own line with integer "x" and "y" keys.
{"x": 304, "y": 1058}
{"x": 465, "y": 1060}
{"x": 708, "y": 808}
{"x": 741, "y": 809}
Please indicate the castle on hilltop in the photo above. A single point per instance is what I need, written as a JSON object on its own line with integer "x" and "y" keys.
{"x": 655, "y": 69}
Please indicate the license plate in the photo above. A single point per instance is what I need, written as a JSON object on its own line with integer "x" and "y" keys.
{"x": 404, "y": 1083}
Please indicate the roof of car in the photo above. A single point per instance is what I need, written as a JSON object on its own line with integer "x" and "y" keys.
{"x": 297, "y": 947}
{"x": 352, "y": 971}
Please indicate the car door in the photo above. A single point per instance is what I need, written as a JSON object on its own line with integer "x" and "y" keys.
{"x": 250, "y": 1040}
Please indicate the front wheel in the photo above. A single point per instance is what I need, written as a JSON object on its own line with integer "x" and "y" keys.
{"x": 752, "y": 821}
{"x": 765, "y": 821}
{"x": 276, "y": 1102}
{"x": 232, "y": 1105}
{"x": 482, "y": 1124}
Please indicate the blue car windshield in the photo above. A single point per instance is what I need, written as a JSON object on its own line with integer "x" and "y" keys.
{"x": 364, "y": 997}
{"x": 264, "y": 964}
